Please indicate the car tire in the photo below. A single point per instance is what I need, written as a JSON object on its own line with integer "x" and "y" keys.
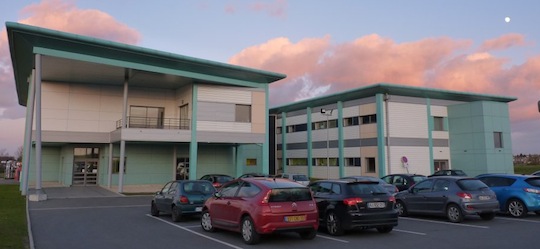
{"x": 154, "y": 211}
{"x": 487, "y": 216}
{"x": 176, "y": 214}
{"x": 308, "y": 235}
{"x": 249, "y": 234}
{"x": 454, "y": 213}
{"x": 516, "y": 208}
{"x": 402, "y": 210}
{"x": 206, "y": 221}
{"x": 385, "y": 229}
{"x": 334, "y": 226}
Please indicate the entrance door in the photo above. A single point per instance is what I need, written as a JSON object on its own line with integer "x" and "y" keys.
{"x": 85, "y": 172}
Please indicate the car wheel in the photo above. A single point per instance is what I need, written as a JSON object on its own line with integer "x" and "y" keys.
{"x": 487, "y": 216}
{"x": 308, "y": 235}
{"x": 402, "y": 210}
{"x": 516, "y": 208}
{"x": 385, "y": 229}
{"x": 333, "y": 224}
{"x": 154, "y": 210}
{"x": 454, "y": 214}
{"x": 176, "y": 214}
{"x": 206, "y": 221}
{"x": 249, "y": 234}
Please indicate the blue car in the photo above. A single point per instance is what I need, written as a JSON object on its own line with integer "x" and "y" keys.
{"x": 517, "y": 194}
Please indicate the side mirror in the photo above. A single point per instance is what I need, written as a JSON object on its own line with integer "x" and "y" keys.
{"x": 217, "y": 195}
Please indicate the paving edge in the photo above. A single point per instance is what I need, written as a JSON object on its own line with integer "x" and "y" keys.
{"x": 29, "y": 224}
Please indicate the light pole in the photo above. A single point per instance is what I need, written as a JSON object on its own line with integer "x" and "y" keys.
{"x": 327, "y": 113}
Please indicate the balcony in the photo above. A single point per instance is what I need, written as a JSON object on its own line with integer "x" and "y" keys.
{"x": 155, "y": 123}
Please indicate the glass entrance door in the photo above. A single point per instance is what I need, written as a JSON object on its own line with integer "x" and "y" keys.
{"x": 85, "y": 172}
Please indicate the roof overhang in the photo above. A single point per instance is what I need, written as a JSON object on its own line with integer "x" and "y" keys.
{"x": 74, "y": 58}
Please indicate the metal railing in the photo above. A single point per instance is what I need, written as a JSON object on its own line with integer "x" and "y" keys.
{"x": 155, "y": 123}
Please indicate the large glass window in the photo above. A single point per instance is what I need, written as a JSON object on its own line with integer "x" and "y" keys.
{"x": 243, "y": 113}
{"x": 497, "y": 138}
{"x": 146, "y": 117}
{"x": 438, "y": 123}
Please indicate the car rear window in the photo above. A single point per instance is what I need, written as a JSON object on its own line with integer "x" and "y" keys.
{"x": 223, "y": 179}
{"x": 300, "y": 178}
{"x": 358, "y": 188}
{"x": 471, "y": 184}
{"x": 534, "y": 181}
{"x": 418, "y": 178}
{"x": 289, "y": 194}
{"x": 198, "y": 187}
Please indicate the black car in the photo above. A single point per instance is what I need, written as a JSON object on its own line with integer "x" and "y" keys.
{"x": 403, "y": 181}
{"x": 389, "y": 187}
{"x": 448, "y": 172}
{"x": 217, "y": 180}
{"x": 346, "y": 204}
{"x": 450, "y": 196}
{"x": 181, "y": 198}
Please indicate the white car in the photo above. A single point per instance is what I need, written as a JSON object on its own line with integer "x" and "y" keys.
{"x": 300, "y": 178}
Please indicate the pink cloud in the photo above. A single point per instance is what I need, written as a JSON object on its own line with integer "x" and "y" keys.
{"x": 278, "y": 8}
{"x": 503, "y": 42}
{"x": 321, "y": 67}
{"x": 65, "y": 16}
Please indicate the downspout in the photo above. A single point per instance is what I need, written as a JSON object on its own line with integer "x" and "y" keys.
{"x": 387, "y": 123}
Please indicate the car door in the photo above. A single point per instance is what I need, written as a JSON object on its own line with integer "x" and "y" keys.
{"x": 416, "y": 199}
{"x": 221, "y": 209}
{"x": 160, "y": 199}
{"x": 437, "y": 198}
{"x": 321, "y": 194}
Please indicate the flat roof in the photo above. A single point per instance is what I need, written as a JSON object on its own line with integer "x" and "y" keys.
{"x": 68, "y": 57}
{"x": 390, "y": 89}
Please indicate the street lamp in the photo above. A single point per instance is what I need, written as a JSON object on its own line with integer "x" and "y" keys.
{"x": 327, "y": 113}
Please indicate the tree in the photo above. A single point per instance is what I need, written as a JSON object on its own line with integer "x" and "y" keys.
{"x": 19, "y": 154}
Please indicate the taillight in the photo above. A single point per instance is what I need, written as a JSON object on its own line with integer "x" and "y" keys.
{"x": 352, "y": 201}
{"x": 532, "y": 190}
{"x": 392, "y": 199}
{"x": 266, "y": 197}
{"x": 184, "y": 199}
{"x": 464, "y": 195}
{"x": 216, "y": 184}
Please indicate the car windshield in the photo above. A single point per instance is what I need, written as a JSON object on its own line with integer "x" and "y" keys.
{"x": 471, "y": 184}
{"x": 198, "y": 188}
{"x": 223, "y": 179}
{"x": 366, "y": 188}
{"x": 289, "y": 194}
{"x": 534, "y": 181}
{"x": 300, "y": 178}
{"x": 418, "y": 178}
{"x": 459, "y": 173}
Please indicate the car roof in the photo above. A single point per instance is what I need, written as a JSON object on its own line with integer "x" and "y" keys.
{"x": 507, "y": 175}
{"x": 271, "y": 182}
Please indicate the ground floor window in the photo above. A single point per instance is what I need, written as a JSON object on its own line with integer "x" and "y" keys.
{"x": 324, "y": 161}
{"x": 116, "y": 165}
{"x": 440, "y": 164}
{"x": 182, "y": 168}
{"x": 251, "y": 162}
{"x": 370, "y": 163}
{"x": 352, "y": 162}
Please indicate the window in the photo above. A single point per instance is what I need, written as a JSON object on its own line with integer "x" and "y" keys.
{"x": 497, "y": 139}
{"x": 350, "y": 121}
{"x": 297, "y": 162}
{"x": 352, "y": 162}
{"x": 230, "y": 190}
{"x": 116, "y": 165}
{"x": 332, "y": 123}
{"x": 318, "y": 125}
{"x": 370, "y": 162}
{"x": 323, "y": 161}
{"x": 248, "y": 190}
{"x": 83, "y": 153}
{"x": 296, "y": 128}
{"x": 278, "y": 130}
{"x": 146, "y": 116}
{"x": 184, "y": 117}
{"x": 251, "y": 162}
{"x": 440, "y": 164}
{"x": 369, "y": 119}
{"x": 438, "y": 123}
{"x": 243, "y": 113}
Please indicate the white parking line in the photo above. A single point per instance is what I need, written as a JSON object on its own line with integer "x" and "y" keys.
{"x": 334, "y": 239}
{"x": 518, "y": 219}
{"x": 411, "y": 232}
{"x": 70, "y": 208}
{"x": 445, "y": 223}
{"x": 200, "y": 234}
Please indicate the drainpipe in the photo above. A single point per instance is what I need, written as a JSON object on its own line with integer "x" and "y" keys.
{"x": 387, "y": 121}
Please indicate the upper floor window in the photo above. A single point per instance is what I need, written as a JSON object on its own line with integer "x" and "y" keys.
{"x": 498, "y": 140}
{"x": 438, "y": 123}
{"x": 369, "y": 119}
{"x": 351, "y": 121}
{"x": 146, "y": 116}
{"x": 296, "y": 128}
{"x": 243, "y": 113}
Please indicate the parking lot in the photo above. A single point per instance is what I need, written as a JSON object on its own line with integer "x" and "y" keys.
{"x": 125, "y": 222}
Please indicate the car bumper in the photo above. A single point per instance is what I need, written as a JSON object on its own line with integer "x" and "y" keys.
{"x": 480, "y": 207}
{"x": 387, "y": 218}
{"x": 271, "y": 223}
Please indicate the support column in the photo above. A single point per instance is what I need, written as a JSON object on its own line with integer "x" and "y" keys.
{"x": 266, "y": 147}
{"x": 193, "y": 145}
{"x": 39, "y": 194}
{"x": 27, "y": 148}
{"x": 341, "y": 142}
{"x": 109, "y": 169}
{"x": 125, "y": 122}
{"x": 309, "y": 144}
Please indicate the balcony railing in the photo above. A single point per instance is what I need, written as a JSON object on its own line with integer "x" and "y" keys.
{"x": 155, "y": 123}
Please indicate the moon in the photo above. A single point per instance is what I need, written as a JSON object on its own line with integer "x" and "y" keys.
{"x": 507, "y": 19}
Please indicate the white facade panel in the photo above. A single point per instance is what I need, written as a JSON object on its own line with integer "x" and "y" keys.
{"x": 439, "y": 111}
{"x": 224, "y": 94}
{"x": 407, "y": 120}
{"x": 324, "y": 172}
{"x": 351, "y": 132}
{"x": 321, "y": 135}
{"x": 84, "y": 102}
{"x": 297, "y": 153}
{"x": 55, "y": 100}
{"x": 83, "y": 125}
{"x": 417, "y": 157}
{"x": 321, "y": 153}
{"x": 351, "y": 152}
{"x": 352, "y": 171}
{"x": 297, "y": 170}
{"x": 301, "y": 119}
{"x": 297, "y": 137}
{"x": 223, "y": 126}
{"x": 440, "y": 135}
{"x": 352, "y": 111}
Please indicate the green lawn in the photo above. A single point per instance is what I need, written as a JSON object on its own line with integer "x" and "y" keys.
{"x": 13, "y": 230}
{"x": 526, "y": 169}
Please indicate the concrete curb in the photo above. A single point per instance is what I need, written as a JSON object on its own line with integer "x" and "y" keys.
{"x": 29, "y": 226}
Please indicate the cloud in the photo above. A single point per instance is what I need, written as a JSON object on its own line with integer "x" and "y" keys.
{"x": 277, "y": 8}
{"x": 65, "y": 16}
{"x": 316, "y": 66}
{"x": 504, "y": 42}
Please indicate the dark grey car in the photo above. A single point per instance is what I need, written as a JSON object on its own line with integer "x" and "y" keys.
{"x": 450, "y": 196}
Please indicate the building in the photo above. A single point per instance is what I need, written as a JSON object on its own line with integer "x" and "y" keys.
{"x": 386, "y": 129}
{"x": 129, "y": 118}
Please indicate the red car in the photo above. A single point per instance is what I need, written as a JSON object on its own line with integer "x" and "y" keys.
{"x": 258, "y": 205}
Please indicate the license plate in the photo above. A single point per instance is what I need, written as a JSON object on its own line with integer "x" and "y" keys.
{"x": 198, "y": 209}
{"x": 376, "y": 205}
{"x": 484, "y": 197}
{"x": 295, "y": 218}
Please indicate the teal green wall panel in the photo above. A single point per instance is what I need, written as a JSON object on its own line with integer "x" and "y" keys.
{"x": 253, "y": 151}
{"x": 215, "y": 158}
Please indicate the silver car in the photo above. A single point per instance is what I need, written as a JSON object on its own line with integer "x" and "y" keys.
{"x": 450, "y": 196}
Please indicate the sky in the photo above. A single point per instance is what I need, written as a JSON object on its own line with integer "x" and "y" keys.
{"x": 483, "y": 46}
